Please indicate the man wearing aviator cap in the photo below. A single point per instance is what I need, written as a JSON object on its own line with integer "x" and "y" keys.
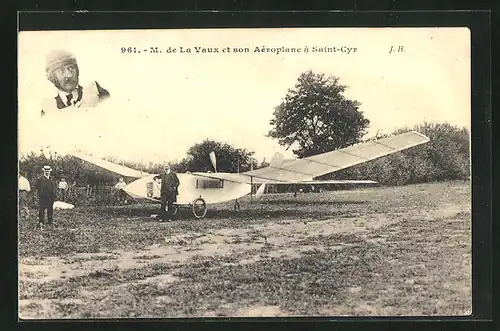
{"x": 62, "y": 70}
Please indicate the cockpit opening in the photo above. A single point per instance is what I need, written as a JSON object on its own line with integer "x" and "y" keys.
{"x": 209, "y": 183}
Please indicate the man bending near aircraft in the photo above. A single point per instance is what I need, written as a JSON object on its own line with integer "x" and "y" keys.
{"x": 169, "y": 191}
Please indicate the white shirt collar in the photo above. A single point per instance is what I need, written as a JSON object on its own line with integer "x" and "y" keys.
{"x": 64, "y": 95}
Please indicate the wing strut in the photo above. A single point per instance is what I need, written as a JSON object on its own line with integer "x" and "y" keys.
{"x": 251, "y": 188}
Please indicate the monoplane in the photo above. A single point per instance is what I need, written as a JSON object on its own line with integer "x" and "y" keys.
{"x": 199, "y": 189}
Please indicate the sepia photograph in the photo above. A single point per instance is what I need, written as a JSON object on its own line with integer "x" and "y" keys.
{"x": 244, "y": 172}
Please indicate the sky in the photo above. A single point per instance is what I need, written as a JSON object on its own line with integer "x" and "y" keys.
{"x": 163, "y": 103}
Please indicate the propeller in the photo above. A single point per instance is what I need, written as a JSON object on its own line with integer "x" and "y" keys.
{"x": 277, "y": 160}
{"x": 213, "y": 160}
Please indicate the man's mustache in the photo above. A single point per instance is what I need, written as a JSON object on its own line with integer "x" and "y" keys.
{"x": 70, "y": 80}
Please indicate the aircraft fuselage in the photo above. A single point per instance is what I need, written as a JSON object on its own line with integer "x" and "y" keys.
{"x": 192, "y": 187}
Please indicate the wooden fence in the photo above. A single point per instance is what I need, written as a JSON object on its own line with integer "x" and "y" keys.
{"x": 87, "y": 196}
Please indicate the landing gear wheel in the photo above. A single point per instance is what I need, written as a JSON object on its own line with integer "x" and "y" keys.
{"x": 199, "y": 208}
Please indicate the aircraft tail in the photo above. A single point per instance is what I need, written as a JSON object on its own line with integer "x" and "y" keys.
{"x": 213, "y": 159}
{"x": 260, "y": 191}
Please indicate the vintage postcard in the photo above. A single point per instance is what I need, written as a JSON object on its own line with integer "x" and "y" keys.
{"x": 244, "y": 173}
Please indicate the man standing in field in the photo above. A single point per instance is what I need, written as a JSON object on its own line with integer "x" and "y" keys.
{"x": 169, "y": 191}
{"x": 46, "y": 190}
{"x": 122, "y": 196}
{"x": 23, "y": 188}
{"x": 63, "y": 189}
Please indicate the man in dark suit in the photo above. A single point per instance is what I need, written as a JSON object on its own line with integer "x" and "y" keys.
{"x": 169, "y": 191}
{"x": 62, "y": 70}
{"x": 46, "y": 189}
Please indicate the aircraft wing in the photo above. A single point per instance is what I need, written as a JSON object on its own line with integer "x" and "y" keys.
{"x": 243, "y": 178}
{"x": 235, "y": 177}
{"x": 303, "y": 170}
{"x": 110, "y": 166}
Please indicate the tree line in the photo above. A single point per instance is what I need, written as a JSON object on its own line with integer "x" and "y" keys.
{"x": 80, "y": 173}
{"x": 314, "y": 117}
{"x": 445, "y": 157}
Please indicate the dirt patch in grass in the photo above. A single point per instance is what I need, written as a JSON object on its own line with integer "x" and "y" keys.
{"x": 392, "y": 251}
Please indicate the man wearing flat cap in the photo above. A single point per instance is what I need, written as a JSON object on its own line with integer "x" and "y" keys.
{"x": 169, "y": 191}
{"x": 46, "y": 189}
{"x": 62, "y": 70}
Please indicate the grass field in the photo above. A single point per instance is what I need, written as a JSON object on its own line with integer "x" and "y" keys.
{"x": 374, "y": 251}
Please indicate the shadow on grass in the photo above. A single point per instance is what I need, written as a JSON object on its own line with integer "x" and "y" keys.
{"x": 311, "y": 202}
{"x": 130, "y": 210}
{"x": 228, "y": 215}
{"x": 262, "y": 209}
